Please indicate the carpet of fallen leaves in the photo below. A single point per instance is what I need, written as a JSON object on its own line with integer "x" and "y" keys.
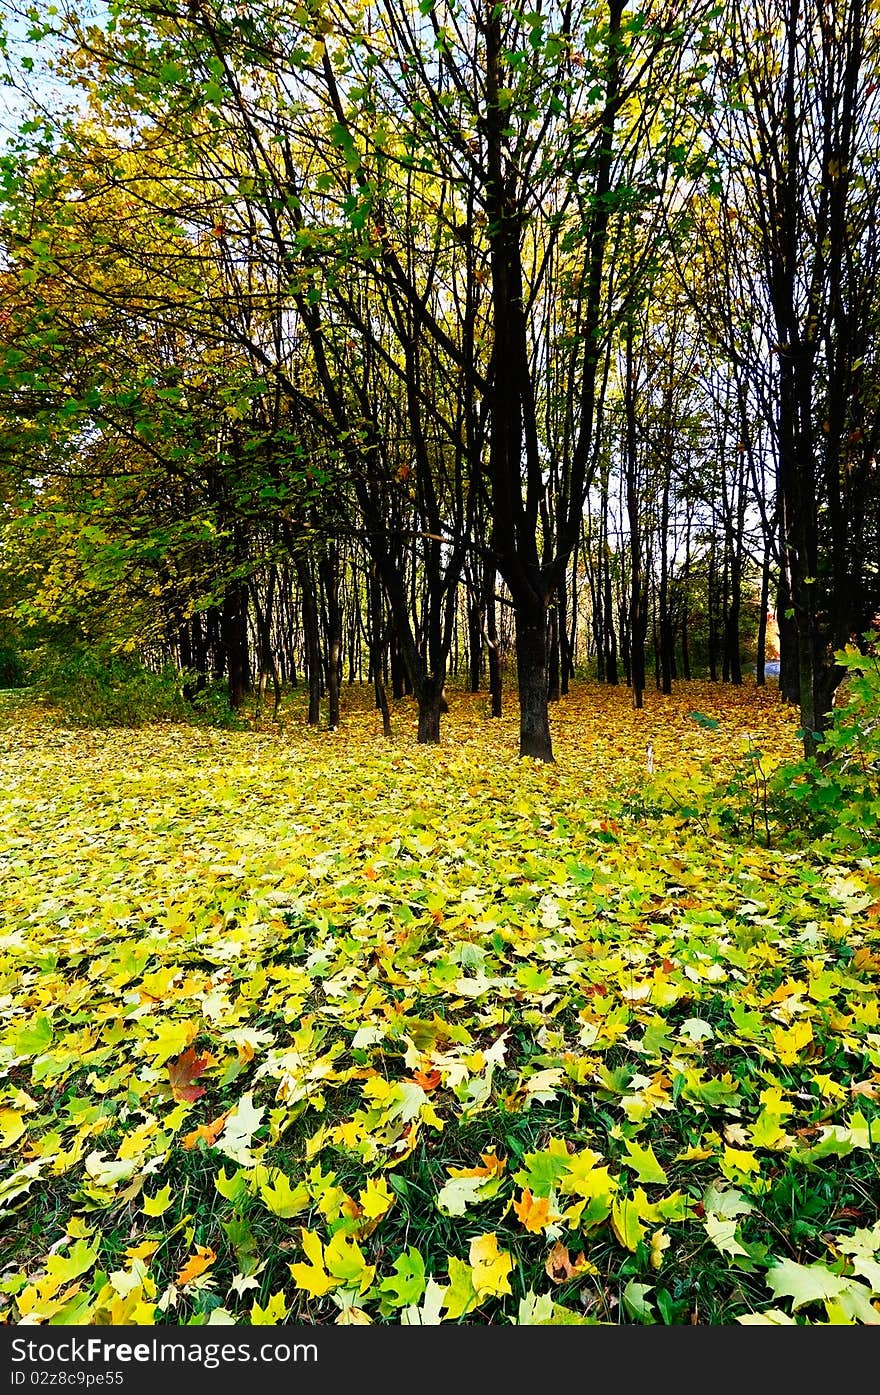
{"x": 314, "y": 1027}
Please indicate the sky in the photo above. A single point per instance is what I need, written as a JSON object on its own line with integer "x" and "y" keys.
{"x": 21, "y": 87}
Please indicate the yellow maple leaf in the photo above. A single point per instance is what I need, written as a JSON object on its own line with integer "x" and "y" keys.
{"x": 12, "y": 1126}
{"x": 790, "y": 1043}
{"x": 157, "y": 1205}
{"x": 313, "y": 1277}
{"x": 490, "y": 1267}
{"x": 144, "y": 1250}
{"x": 626, "y": 1224}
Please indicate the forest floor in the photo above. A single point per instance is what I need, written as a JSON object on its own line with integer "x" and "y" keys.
{"x": 315, "y": 1027}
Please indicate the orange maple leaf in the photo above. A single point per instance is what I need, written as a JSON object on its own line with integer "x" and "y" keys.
{"x": 493, "y": 1166}
{"x": 534, "y": 1212}
{"x": 209, "y": 1132}
{"x": 198, "y": 1262}
{"x": 428, "y": 1081}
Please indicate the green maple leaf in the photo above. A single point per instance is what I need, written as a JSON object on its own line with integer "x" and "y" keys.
{"x": 282, "y": 1199}
{"x": 461, "y": 1295}
{"x": 407, "y": 1283}
{"x": 636, "y": 1304}
{"x": 35, "y": 1038}
{"x": 805, "y": 1283}
{"x": 643, "y": 1163}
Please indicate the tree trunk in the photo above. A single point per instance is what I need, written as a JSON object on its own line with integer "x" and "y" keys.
{"x": 531, "y": 672}
{"x": 376, "y": 647}
{"x": 564, "y": 653}
{"x": 789, "y": 674}
{"x": 475, "y": 640}
{"x": 312, "y": 635}
{"x": 761, "y": 658}
{"x": 665, "y": 638}
{"x": 235, "y": 642}
{"x": 329, "y": 568}
{"x": 493, "y": 643}
{"x": 552, "y": 655}
{"x": 432, "y": 703}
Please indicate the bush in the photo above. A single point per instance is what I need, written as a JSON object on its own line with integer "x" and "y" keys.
{"x": 209, "y": 706}
{"x": 728, "y": 796}
{"x": 96, "y": 688}
{"x": 833, "y": 799}
{"x": 837, "y": 796}
{"x": 12, "y": 671}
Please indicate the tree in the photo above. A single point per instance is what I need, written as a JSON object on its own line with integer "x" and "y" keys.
{"x": 798, "y": 129}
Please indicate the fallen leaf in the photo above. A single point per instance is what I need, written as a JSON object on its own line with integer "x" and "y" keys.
{"x": 183, "y": 1071}
{"x": 560, "y": 1267}
{"x": 198, "y": 1263}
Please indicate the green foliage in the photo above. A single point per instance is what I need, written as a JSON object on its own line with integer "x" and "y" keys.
{"x": 833, "y": 798}
{"x": 96, "y": 688}
{"x": 836, "y": 796}
{"x": 13, "y": 673}
{"x": 209, "y": 706}
{"x": 727, "y": 792}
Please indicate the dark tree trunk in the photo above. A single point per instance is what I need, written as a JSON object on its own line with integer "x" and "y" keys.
{"x": 235, "y": 642}
{"x": 312, "y": 636}
{"x": 475, "y": 640}
{"x": 531, "y": 671}
{"x": 199, "y": 650}
{"x": 638, "y": 594}
{"x": 564, "y": 651}
{"x": 732, "y": 658}
{"x": 376, "y": 647}
{"x": 665, "y": 639}
{"x": 400, "y": 685}
{"x": 432, "y": 705}
{"x": 611, "y": 674}
{"x": 761, "y": 658}
{"x": 552, "y": 654}
{"x": 329, "y": 570}
{"x": 789, "y": 674}
{"x": 711, "y": 604}
{"x": 493, "y": 643}
{"x": 214, "y": 634}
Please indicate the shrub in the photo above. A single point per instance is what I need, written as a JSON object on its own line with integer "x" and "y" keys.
{"x": 837, "y": 796}
{"x": 833, "y": 799}
{"x": 210, "y": 706}
{"x": 12, "y": 670}
{"x": 96, "y": 688}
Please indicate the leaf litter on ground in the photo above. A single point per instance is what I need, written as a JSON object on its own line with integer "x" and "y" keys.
{"x": 316, "y": 1027}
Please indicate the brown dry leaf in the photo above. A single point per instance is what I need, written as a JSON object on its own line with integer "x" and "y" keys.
{"x": 559, "y": 1266}
{"x": 869, "y": 1088}
{"x": 428, "y": 1080}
